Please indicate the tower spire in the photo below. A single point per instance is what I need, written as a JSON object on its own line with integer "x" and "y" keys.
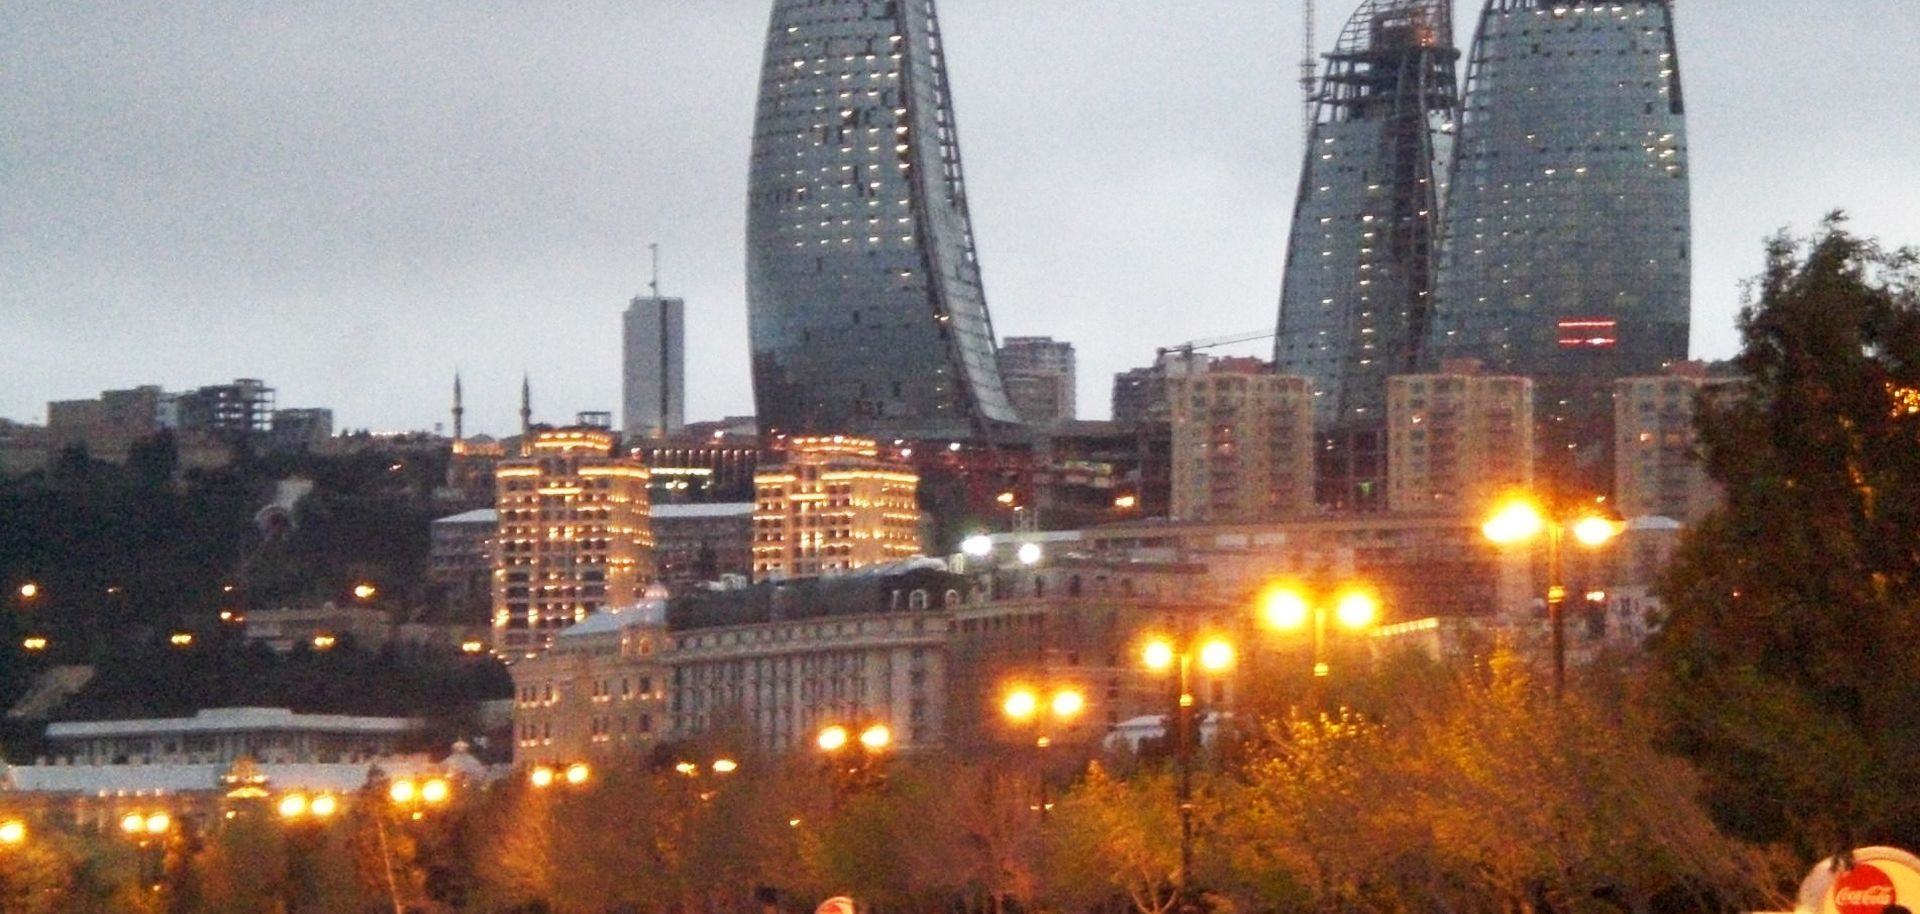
{"x": 654, "y": 249}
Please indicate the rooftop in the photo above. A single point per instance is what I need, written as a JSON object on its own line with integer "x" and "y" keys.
{"x": 721, "y": 509}
{"x": 232, "y": 720}
{"x": 476, "y": 516}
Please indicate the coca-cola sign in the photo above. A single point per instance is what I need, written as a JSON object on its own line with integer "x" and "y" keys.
{"x": 1865, "y": 889}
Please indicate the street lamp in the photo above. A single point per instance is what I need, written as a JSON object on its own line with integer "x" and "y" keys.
{"x": 13, "y": 832}
{"x": 1519, "y": 520}
{"x": 300, "y": 806}
{"x": 1024, "y": 706}
{"x": 571, "y": 775}
{"x": 1164, "y": 654}
{"x": 146, "y": 830}
{"x": 1287, "y": 607}
{"x": 871, "y": 741}
{"x": 416, "y": 795}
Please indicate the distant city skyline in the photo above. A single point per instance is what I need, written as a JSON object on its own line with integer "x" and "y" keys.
{"x": 354, "y": 201}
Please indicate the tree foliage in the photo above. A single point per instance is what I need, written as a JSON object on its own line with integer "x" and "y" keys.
{"x": 1790, "y": 664}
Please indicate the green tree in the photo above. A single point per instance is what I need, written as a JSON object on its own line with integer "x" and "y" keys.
{"x": 1112, "y": 836}
{"x": 1789, "y": 667}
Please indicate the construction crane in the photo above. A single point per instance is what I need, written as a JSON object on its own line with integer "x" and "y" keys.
{"x": 1187, "y": 348}
{"x": 1308, "y": 53}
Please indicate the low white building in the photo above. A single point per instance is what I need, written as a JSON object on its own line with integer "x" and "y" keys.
{"x": 220, "y": 736}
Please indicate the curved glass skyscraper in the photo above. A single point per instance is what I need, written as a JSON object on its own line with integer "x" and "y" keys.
{"x": 1567, "y": 229}
{"x": 863, "y": 291}
{"x": 1357, "y": 294}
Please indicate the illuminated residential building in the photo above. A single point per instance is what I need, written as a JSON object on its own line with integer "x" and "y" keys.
{"x": 573, "y": 536}
{"x": 1567, "y": 231}
{"x": 863, "y": 292}
{"x": 1357, "y": 295}
{"x": 1656, "y": 468}
{"x": 1242, "y": 443}
{"x": 833, "y": 504}
{"x": 1457, "y": 439}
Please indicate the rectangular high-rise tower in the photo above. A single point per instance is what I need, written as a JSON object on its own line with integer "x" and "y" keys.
{"x": 655, "y": 367}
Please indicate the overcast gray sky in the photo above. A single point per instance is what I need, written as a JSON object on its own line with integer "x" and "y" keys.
{"x": 353, "y": 199}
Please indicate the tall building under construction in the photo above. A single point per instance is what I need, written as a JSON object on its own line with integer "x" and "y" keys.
{"x": 1356, "y": 300}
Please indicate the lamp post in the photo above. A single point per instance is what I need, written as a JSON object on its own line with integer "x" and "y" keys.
{"x": 1024, "y": 706}
{"x": 149, "y": 831}
{"x": 1520, "y": 520}
{"x": 1288, "y": 607}
{"x": 305, "y": 817}
{"x": 1178, "y": 654}
{"x": 835, "y": 741}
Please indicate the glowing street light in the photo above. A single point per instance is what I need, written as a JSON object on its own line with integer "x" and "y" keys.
{"x": 364, "y": 591}
{"x": 139, "y": 825}
{"x": 12, "y": 832}
{"x": 293, "y": 806}
{"x": 1023, "y": 706}
{"x": 1158, "y": 655}
{"x": 1519, "y": 521}
{"x": 414, "y": 794}
{"x": 1029, "y": 554}
{"x": 1216, "y": 655}
{"x": 1286, "y": 607}
{"x": 29, "y": 590}
{"x": 977, "y": 546}
{"x": 298, "y": 805}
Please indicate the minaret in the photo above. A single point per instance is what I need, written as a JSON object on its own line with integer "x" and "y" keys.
{"x": 459, "y": 412}
{"x": 526, "y": 409}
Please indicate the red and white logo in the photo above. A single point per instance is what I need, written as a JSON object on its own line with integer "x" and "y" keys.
{"x": 1865, "y": 889}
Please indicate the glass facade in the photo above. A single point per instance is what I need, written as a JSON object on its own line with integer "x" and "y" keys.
{"x": 1356, "y": 297}
{"x": 863, "y": 291}
{"x": 1567, "y": 227}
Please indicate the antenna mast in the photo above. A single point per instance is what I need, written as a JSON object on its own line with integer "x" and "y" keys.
{"x": 654, "y": 249}
{"x": 1307, "y": 81}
